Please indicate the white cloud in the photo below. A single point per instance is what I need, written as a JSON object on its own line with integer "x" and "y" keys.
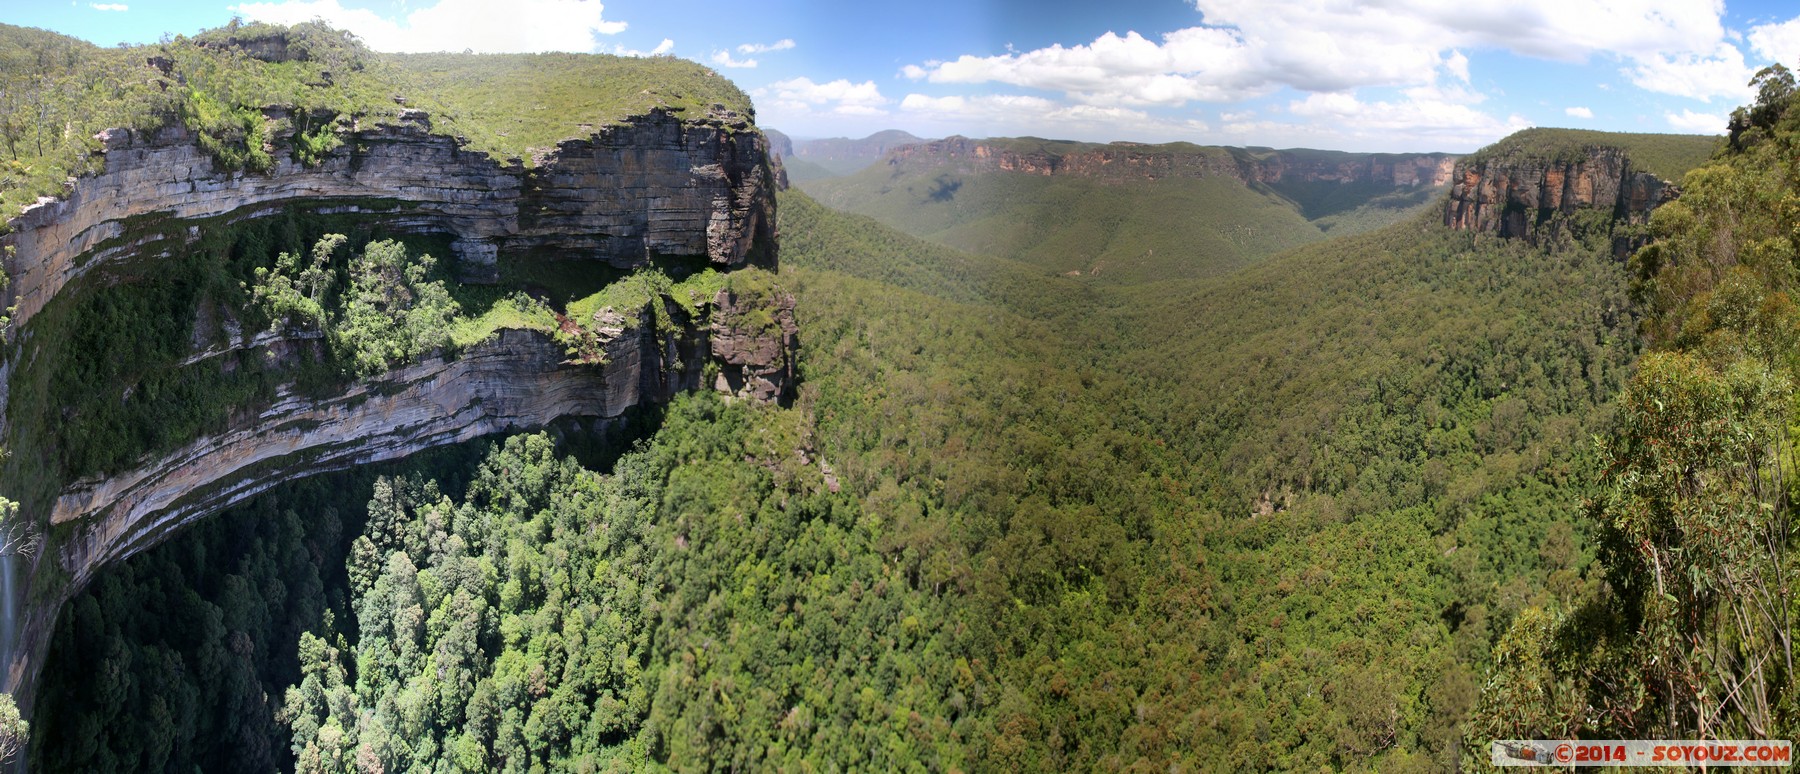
{"x": 723, "y": 59}
{"x": 1426, "y": 118}
{"x": 1013, "y": 114}
{"x": 1777, "y": 42}
{"x": 1690, "y": 122}
{"x": 801, "y": 96}
{"x": 762, "y": 48}
{"x": 456, "y": 25}
{"x": 1458, "y": 65}
{"x": 1721, "y": 73}
{"x": 667, "y": 45}
{"x": 109, "y": 6}
{"x": 1193, "y": 64}
{"x": 1247, "y": 48}
{"x": 1573, "y": 30}
{"x": 1578, "y": 112}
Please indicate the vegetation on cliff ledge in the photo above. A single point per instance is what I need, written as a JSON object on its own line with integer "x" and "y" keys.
{"x": 248, "y": 90}
{"x": 1284, "y": 513}
{"x": 1073, "y": 527}
{"x": 394, "y": 309}
{"x": 1668, "y": 156}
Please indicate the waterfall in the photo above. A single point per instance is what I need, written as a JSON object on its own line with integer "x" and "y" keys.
{"x": 9, "y": 617}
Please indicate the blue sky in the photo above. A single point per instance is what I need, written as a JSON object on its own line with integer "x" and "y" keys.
{"x": 1386, "y": 75}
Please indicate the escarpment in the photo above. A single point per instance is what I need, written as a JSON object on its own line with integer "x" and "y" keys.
{"x": 653, "y": 193}
{"x": 1119, "y": 162}
{"x": 652, "y": 186}
{"x": 1532, "y": 196}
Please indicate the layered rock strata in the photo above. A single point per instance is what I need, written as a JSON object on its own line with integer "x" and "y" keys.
{"x": 1129, "y": 161}
{"x": 517, "y": 380}
{"x": 753, "y": 341}
{"x": 653, "y": 187}
{"x": 1522, "y": 197}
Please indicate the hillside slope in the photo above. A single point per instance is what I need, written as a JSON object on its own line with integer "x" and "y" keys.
{"x": 272, "y": 267}
{"x": 1127, "y": 213}
{"x": 1015, "y": 521}
{"x": 837, "y": 156}
{"x": 1691, "y": 635}
{"x": 1164, "y": 479}
{"x": 1372, "y": 435}
{"x": 1379, "y": 434}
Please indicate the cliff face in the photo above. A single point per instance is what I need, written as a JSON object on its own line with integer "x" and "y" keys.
{"x": 1523, "y": 197}
{"x": 518, "y": 380}
{"x": 1122, "y": 161}
{"x": 654, "y": 187}
{"x": 754, "y": 349}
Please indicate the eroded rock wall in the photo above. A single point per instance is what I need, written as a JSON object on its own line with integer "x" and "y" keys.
{"x": 1519, "y": 197}
{"x": 753, "y": 340}
{"x": 653, "y": 186}
{"x": 515, "y": 381}
{"x": 1128, "y": 161}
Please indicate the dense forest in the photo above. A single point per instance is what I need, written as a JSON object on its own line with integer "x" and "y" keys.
{"x": 1013, "y": 522}
{"x": 1359, "y": 503}
{"x": 1691, "y": 633}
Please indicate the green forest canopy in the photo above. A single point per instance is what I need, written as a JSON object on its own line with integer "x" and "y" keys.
{"x": 1063, "y": 536}
{"x": 1324, "y": 511}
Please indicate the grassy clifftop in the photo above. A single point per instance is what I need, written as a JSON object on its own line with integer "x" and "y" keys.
{"x": 57, "y": 92}
{"x": 1668, "y": 156}
{"x": 507, "y": 104}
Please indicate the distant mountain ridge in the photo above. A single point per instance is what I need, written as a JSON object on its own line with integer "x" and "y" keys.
{"x": 1133, "y": 212}
{"x": 870, "y": 148}
{"x": 837, "y": 155}
{"x": 1134, "y": 161}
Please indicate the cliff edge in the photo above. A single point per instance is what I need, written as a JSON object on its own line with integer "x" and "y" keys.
{"x": 1534, "y": 184}
{"x": 679, "y": 205}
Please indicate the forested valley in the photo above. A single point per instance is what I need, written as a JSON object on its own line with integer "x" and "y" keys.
{"x": 1014, "y": 521}
{"x": 1364, "y": 502}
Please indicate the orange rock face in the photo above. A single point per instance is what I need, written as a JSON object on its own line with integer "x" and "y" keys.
{"x": 1520, "y": 197}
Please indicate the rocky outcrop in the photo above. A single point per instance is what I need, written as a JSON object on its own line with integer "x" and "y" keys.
{"x": 780, "y": 145}
{"x": 518, "y": 380}
{"x": 1120, "y": 162}
{"x": 515, "y": 381}
{"x": 753, "y": 341}
{"x": 1525, "y": 197}
{"x": 655, "y": 185}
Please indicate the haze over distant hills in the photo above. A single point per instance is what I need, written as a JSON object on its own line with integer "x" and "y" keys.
{"x": 817, "y": 158}
{"x": 1129, "y": 211}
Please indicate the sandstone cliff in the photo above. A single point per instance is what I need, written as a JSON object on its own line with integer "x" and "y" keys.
{"x": 1532, "y": 197}
{"x": 1131, "y": 161}
{"x": 652, "y": 188}
{"x": 753, "y": 340}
